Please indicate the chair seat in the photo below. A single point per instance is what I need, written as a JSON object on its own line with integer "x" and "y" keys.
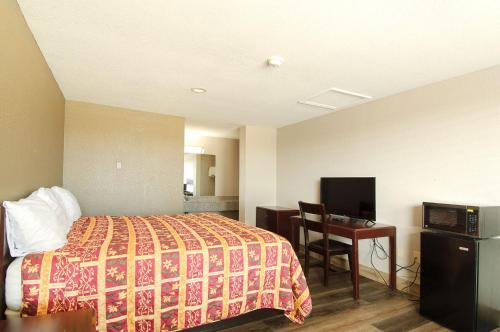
{"x": 335, "y": 247}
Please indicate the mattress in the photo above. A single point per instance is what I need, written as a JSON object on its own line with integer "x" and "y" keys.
{"x": 13, "y": 285}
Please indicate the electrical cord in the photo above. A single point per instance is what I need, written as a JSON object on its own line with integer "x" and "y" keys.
{"x": 375, "y": 247}
{"x": 411, "y": 284}
{"x": 407, "y": 267}
{"x": 378, "y": 245}
{"x": 374, "y": 250}
{"x": 386, "y": 255}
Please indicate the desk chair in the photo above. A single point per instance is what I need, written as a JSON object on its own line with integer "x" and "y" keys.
{"x": 326, "y": 246}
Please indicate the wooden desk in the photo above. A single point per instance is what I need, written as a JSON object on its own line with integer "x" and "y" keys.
{"x": 358, "y": 231}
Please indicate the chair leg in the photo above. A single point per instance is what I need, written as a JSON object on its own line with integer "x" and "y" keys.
{"x": 349, "y": 260}
{"x": 326, "y": 268}
{"x": 306, "y": 263}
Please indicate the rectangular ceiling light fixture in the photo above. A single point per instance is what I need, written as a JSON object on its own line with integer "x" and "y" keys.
{"x": 334, "y": 99}
{"x": 194, "y": 149}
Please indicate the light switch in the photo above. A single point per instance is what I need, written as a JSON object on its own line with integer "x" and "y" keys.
{"x": 118, "y": 165}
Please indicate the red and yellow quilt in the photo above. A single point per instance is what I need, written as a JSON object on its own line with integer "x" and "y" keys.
{"x": 165, "y": 272}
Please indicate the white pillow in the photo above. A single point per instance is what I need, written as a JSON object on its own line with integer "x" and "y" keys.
{"x": 69, "y": 203}
{"x": 52, "y": 201}
{"x": 32, "y": 226}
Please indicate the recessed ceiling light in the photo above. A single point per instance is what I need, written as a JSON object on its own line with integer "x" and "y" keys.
{"x": 198, "y": 90}
{"x": 275, "y": 61}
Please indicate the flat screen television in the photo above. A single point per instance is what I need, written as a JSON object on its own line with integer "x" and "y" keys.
{"x": 350, "y": 197}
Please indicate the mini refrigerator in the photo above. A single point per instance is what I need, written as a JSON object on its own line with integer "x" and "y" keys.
{"x": 460, "y": 281}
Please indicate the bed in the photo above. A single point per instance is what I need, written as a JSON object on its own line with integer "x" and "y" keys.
{"x": 186, "y": 271}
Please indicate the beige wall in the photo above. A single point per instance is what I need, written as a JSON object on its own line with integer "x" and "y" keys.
{"x": 149, "y": 146}
{"x": 437, "y": 143}
{"x": 31, "y": 111}
{"x": 205, "y": 185}
{"x": 257, "y": 170}
{"x": 226, "y": 151}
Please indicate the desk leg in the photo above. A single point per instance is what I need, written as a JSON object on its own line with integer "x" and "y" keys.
{"x": 355, "y": 268}
{"x": 392, "y": 261}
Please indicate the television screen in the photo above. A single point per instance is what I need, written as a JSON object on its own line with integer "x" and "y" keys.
{"x": 351, "y": 197}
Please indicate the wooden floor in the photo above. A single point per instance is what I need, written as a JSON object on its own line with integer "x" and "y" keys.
{"x": 334, "y": 309}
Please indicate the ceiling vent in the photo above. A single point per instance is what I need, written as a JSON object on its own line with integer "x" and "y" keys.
{"x": 334, "y": 99}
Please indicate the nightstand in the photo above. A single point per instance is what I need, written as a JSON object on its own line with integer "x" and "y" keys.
{"x": 277, "y": 220}
{"x": 71, "y": 321}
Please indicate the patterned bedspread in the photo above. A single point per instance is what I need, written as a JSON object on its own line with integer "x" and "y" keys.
{"x": 165, "y": 272}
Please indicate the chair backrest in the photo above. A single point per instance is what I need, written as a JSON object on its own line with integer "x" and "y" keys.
{"x": 320, "y": 226}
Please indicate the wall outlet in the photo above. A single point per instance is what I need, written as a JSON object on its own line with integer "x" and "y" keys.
{"x": 416, "y": 255}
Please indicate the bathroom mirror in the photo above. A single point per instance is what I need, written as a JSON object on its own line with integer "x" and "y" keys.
{"x": 199, "y": 174}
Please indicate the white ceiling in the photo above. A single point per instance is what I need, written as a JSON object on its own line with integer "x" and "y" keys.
{"x": 146, "y": 55}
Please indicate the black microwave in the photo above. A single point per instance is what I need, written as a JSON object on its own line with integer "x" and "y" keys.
{"x": 473, "y": 221}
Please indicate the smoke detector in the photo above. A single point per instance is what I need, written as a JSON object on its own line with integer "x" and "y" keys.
{"x": 275, "y": 61}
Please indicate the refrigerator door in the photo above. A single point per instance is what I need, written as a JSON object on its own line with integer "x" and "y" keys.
{"x": 448, "y": 280}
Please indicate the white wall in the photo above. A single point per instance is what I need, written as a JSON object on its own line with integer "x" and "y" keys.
{"x": 226, "y": 151}
{"x": 257, "y": 170}
{"x": 437, "y": 143}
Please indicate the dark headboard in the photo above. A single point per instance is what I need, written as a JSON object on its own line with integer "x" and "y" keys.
{"x": 5, "y": 260}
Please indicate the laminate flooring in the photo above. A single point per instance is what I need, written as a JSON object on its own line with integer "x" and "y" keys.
{"x": 334, "y": 309}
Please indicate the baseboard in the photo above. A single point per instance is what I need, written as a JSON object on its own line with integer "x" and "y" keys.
{"x": 368, "y": 272}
